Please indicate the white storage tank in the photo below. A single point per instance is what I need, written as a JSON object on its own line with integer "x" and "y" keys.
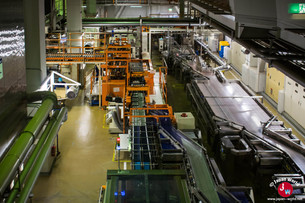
{"x": 185, "y": 120}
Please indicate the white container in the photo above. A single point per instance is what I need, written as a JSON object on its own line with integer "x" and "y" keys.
{"x": 144, "y": 42}
{"x": 288, "y": 95}
{"x": 252, "y": 75}
{"x": 225, "y": 52}
{"x": 124, "y": 141}
{"x": 245, "y": 74}
{"x": 250, "y": 60}
{"x": 229, "y": 55}
{"x": 281, "y": 101}
{"x": 261, "y": 82}
{"x": 185, "y": 120}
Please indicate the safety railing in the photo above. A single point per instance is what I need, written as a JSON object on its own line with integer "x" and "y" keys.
{"x": 149, "y": 112}
{"x": 75, "y": 47}
{"x": 122, "y": 1}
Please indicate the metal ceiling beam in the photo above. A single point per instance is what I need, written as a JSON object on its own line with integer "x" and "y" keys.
{"x": 211, "y": 8}
{"x": 98, "y": 22}
{"x": 168, "y": 20}
{"x": 288, "y": 68}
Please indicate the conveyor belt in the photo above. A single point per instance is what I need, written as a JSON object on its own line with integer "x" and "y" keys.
{"x": 141, "y": 145}
{"x": 196, "y": 154}
{"x": 244, "y": 111}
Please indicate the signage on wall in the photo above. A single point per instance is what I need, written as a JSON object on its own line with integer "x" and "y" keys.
{"x": 1, "y": 69}
{"x": 296, "y": 8}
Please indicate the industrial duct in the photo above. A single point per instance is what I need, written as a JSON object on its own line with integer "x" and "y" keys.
{"x": 53, "y": 126}
{"x": 72, "y": 92}
{"x": 31, "y": 179}
{"x": 14, "y": 156}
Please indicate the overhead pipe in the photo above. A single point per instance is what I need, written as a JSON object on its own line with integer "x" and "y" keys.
{"x": 122, "y": 24}
{"x": 32, "y": 159}
{"x": 211, "y": 54}
{"x": 98, "y": 22}
{"x": 14, "y": 156}
{"x": 122, "y": 20}
{"x": 28, "y": 186}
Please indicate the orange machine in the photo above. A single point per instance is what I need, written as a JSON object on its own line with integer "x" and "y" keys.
{"x": 140, "y": 78}
{"x": 115, "y": 72}
{"x": 146, "y": 72}
{"x": 131, "y": 89}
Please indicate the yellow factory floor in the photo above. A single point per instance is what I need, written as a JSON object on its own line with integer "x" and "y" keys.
{"x": 86, "y": 153}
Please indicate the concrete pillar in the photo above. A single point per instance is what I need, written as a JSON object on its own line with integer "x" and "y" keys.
{"x": 144, "y": 41}
{"x": 74, "y": 22}
{"x": 34, "y": 43}
{"x": 149, "y": 45}
{"x": 74, "y": 15}
{"x": 52, "y": 16}
{"x": 91, "y": 8}
{"x": 64, "y": 9}
{"x": 181, "y": 8}
{"x": 74, "y": 72}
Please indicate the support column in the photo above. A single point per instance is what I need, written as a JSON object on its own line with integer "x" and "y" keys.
{"x": 34, "y": 43}
{"x": 91, "y": 8}
{"x": 74, "y": 23}
{"x": 64, "y": 9}
{"x": 189, "y": 9}
{"x": 149, "y": 44}
{"x": 53, "y": 16}
{"x": 100, "y": 86}
{"x": 181, "y": 8}
{"x": 74, "y": 15}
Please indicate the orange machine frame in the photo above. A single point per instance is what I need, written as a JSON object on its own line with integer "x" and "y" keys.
{"x": 151, "y": 107}
{"x": 117, "y": 57}
{"x": 63, "y": 48}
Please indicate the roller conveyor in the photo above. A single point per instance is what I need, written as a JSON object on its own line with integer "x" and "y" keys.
{"x": 244, "y": 111}
{"x": 196, "y": 155}
{"x": 141, "y": 146}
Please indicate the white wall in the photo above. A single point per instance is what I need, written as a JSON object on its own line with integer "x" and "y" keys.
{"x": 251, "y": 68}
{"x": 238, "y": 58}
{"x": 295, "y": 100}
